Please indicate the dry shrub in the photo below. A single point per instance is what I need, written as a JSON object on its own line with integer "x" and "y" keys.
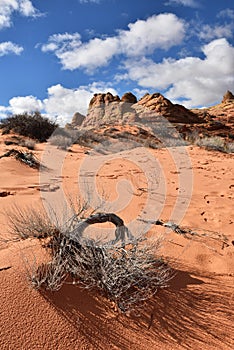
{"x": 27, "y": 158}
{"x": 29, "y": 223}
{"x": 214, "y": 143}
{"x": 61, "y": 141}
{"x": 32, "y": 125}
{"x": 29, "y": 143}
{"x": 230, "y": 147}
{"x": 127, "y": 274}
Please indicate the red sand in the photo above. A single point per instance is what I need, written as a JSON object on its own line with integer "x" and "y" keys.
{"x": 195, "y": 312}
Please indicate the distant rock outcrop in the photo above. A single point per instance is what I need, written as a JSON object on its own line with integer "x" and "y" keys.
{"x": 106, "y": 108}
{"x": 228, "y": 96}
{"x": 77, "y": 119}
{"x": 100, "y": 99}
{"x": 174, "y": 113}
{"x": 129, "y": 98}
{"x": 224, "y": 111}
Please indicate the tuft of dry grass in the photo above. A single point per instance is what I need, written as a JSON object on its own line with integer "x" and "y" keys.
{"x": 29, "y": 143}
{"x": 216, "y": 143}
{"x": 127, "y": 274}
{"x": 61, "y": 141}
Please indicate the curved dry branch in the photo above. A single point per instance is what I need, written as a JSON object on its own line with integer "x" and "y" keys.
{"x": 121, "y": 230}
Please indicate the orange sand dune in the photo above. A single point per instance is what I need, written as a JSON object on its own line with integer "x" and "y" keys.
{"x": 195, "y": 312}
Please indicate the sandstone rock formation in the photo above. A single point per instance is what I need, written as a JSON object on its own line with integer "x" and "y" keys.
{"x": 129, "y": 98}
{"x": 99, "y": 99}
{"x": 106, "y": 108}
{"x": 174, "y": 113}
{"x": 228, "y": 96}
{"x": 77, "y": 119}
{"x": 152, "y": 110}
{"x": 224, "y": 111}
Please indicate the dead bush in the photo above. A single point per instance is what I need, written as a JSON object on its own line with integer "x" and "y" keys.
{"x": 127, "y": 271}
{"x": 61, "y": 141}
{"x": 28, "y": 143}
{"x": 27, "y": 158}
{"x": 214, "y": 143}
{"x": 34, "y": 126}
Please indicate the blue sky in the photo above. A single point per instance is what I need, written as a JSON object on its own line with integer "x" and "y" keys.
{"x": 55, "y": 54}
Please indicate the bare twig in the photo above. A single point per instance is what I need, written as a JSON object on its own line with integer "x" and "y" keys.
{"x": 191, "y": 233}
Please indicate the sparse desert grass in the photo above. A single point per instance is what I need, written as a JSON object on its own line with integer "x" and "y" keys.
{"x": 63, "y": 138}
{"x": 211, "y": 143}
{"x": 29, "y": 143}
{"x": 61, "y": 141}
{"x": 215, "y": 142}
{"x": 29, "y": 223}
{"x": 230, "y": 147}
{"x": 126, "y": 274}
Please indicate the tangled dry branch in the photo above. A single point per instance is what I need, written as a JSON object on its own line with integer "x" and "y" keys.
{"x": 194, "y": 234}
{"x": 126, "y": 270}
{"x": 126, "y": 274}
{"x": 27, "y": 158}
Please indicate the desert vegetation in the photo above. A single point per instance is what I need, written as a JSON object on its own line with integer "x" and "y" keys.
{"x": 27, "y": 158}
{"x": 32, "y": 125}
{"x": 215, "y": 143}
{"x": 128, "y": 271}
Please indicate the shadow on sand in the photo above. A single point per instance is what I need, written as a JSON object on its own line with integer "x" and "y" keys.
{"x": 194, "y": 311}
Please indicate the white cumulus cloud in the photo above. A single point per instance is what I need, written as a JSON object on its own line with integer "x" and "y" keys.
{"x": 62, "y": 42}
{"x": 3, "y": 111}
{"x": 61, "y": 103}
{"x": 194, "y": 80}
{"x": 142, "y": 37}
{"x": 209, "y": 32}
{"x": 21, "y": 104}
{"x": 226, "y": 13}
{"x": 159, "y": 31}
{"x": 8, "y": 7}
{"x": 96, "y": 53}
{"x": 8, "y": 47}
{"x": 26, "y": 8}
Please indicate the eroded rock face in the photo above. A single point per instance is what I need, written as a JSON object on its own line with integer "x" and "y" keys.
{"x": 77, "y": 119}
{"x": 228, "y": 96}
{"x": 129, "y": 98}
{"x": 160, "y": 105}
{"x": 99, "y": 99}
{"x": 224, "y": 111}
{"x": 106, "y": 108}
{"x": 150, "y": 113}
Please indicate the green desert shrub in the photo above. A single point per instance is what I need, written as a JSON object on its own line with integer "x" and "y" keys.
{"x": 33, "y": 125}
